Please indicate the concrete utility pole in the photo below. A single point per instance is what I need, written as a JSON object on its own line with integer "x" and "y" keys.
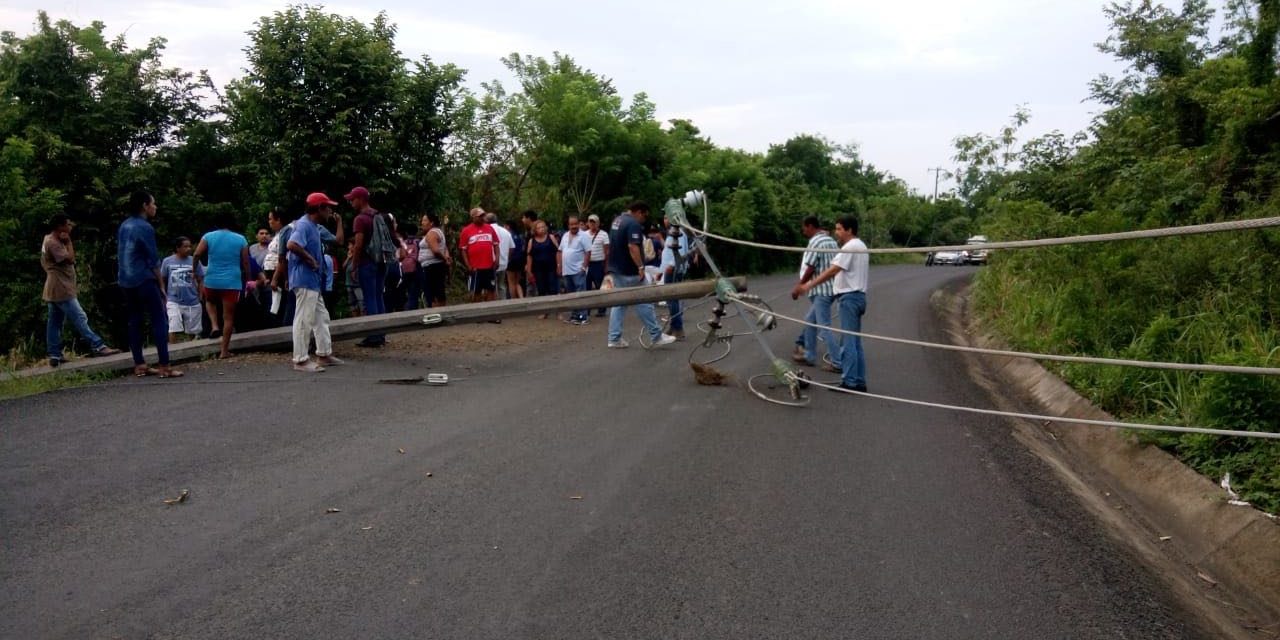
{"x": 937, "y": 173}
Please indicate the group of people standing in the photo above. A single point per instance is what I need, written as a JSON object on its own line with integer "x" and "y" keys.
{"x": 834, "y": 281}
{"x": 288, "y": 275}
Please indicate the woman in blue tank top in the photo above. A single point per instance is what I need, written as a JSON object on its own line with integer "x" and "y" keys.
{"x": 224, "y": 277}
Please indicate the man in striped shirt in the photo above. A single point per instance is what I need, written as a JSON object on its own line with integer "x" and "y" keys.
{"x": 821, "y": 297}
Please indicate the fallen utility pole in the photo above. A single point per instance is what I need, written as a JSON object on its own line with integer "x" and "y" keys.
{"x": 417, "y": 320}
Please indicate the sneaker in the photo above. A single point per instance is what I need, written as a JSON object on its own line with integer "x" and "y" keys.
{"x": 102, "y": 351}
{"x": 620, "y": 343}
{"x": 678, "y": 334}
{"x": 664, "y": 340}
{"x": 309, "y": 366}
{"x": 329, "y": 361}
{"x": 861, "y": 388}
{"x": 584, "y": 321}
{"x": 830, "y": 368}
{"x": 799, "y": 358}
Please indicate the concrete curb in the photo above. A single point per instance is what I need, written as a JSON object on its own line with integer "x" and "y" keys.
{"x": 1238, "y": 547}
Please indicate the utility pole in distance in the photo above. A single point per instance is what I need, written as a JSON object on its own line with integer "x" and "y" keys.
{"x": 937, "y": 173}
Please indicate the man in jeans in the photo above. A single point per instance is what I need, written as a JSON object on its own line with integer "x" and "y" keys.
{"x": 372, "y": 275}
{"x": 138, "y": 275}
{"x": 848, "y": 271}
{"x": 575, "y": 249}
{"x": 58, "y": 257}
{"x": 626, "y": 267}
{"x": 821, "y": 297}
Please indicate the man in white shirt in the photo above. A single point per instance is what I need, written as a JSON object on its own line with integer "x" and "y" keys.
{"x": 599, "y": 256}
{"x": 505, "y": 244}
{"x": 575, "y": 254}
{"x": 675, "y": 263}
{"x": 848, "y": 272}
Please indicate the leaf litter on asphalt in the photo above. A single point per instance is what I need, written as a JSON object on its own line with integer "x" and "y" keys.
{"x": 182, "y": 497}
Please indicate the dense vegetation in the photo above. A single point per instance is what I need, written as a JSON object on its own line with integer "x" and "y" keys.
{"x": 328, "y": 102}
{"x": 1190, "y": 134}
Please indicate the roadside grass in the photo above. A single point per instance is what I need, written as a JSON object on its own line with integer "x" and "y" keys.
{"x": 22, "y": 356}
{"x": 11, "y": 387}
{"x": 1202, "y": 301}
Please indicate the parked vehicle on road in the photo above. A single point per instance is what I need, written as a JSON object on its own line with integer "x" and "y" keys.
{"x": 948, "y": 257}
{"x": 976, "y": 255}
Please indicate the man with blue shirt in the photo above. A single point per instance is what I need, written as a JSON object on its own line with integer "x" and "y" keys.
{"x": 310, "y": 316}
{"x": 279, "y": 279}
{"x": 138, "y": 275}
{"x": 626, "y": 268}
{"x": 575, "y": 250}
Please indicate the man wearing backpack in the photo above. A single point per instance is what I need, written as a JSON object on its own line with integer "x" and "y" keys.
{"x": 375, "y": 249}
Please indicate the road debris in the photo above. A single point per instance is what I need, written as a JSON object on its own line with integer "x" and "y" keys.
{"x": 1233, "y": 498}
{"x": 428, "y": 474}
{"x": 1202, "y": 576}
{"x": 401, "y": 380}
{"x": 708, "y": 375}
{"x": 366, "y": 528}
{"x": 182, "y": 497}
{"x": 401, "y": 450}
{"x": 332, "y": 510}
{"x": 1165, "y": 538}
{"x": 575, "y": 497}
{"x": 436, "y": 379}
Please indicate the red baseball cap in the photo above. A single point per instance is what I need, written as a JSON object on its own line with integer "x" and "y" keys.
{"x": 317, "y": 199}
{"x": 358, "y": 192}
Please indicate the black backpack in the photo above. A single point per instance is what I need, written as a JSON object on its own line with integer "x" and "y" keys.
{"x": 381, "y": 246}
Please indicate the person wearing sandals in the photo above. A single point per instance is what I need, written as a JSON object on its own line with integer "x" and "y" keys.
{"x": 138, "y": 275}
{"x": 58, "y": 257}
{"x": 310, "y": 317}
{"x": 224, "y": 277}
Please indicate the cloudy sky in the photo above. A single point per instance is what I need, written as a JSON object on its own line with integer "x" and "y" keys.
{"x": 899, "y": 78}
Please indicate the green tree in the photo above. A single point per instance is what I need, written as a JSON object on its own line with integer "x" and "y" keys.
{"x": 84, "y": 120}
{"x": 574, "y": 133}
{"x": 329, "y": 103}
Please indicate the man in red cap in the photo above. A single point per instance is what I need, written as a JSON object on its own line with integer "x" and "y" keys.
{"x": 307, "y": 277}
{"x": 371, "y": 273}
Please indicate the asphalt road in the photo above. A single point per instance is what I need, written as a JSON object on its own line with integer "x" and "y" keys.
{"x": 575, "y": 492}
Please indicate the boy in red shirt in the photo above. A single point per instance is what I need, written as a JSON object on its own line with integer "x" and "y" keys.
{"x": 479, "y": 245}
